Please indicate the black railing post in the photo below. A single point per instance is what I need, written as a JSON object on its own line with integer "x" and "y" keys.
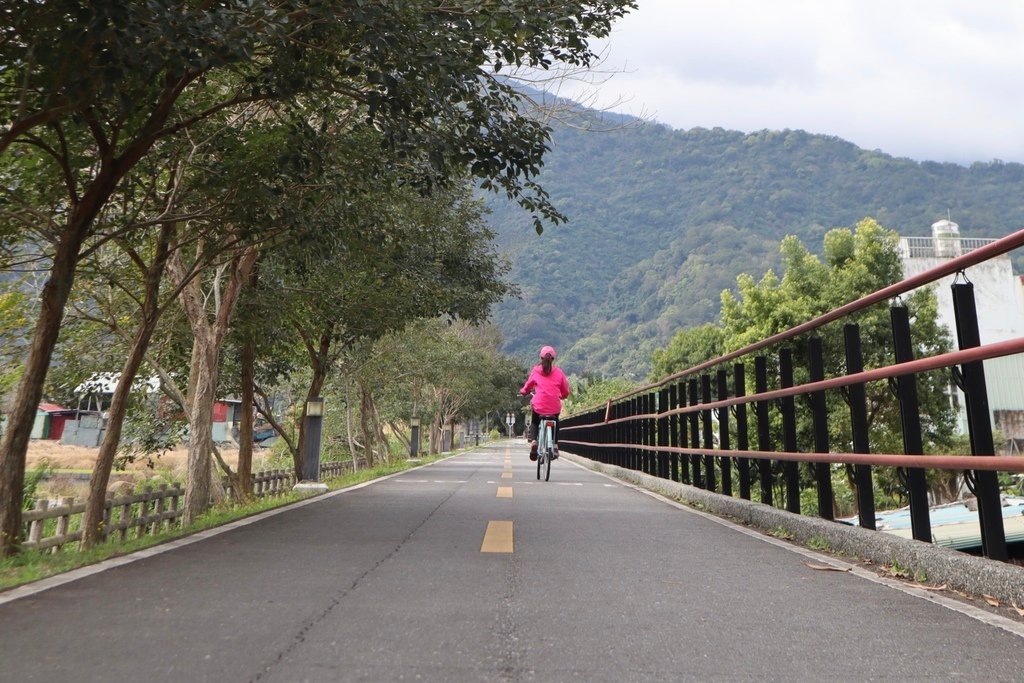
{"x": 709, "y": 439}
{"x": 684, "y": 460}
{"x": 663, "y": 469}
{"x": 910, "y": 421}
{"x": 624, "y": 433}
{"x": 641, "y": 425}
{"x": 856, "y": 397}
{"x": 723, "y": 433}
{"x": 627, "y": 434}
{"x": 764, "y": 435}
{"x": 788, "y": 406}
{"x": 651, "y": 433}
{"x": 819, "y": 417}
{"x": 634, "y": 433}
{"x": 986, "y": 483}
{"x": 644, "y": 425}
{"x": 673, "y": 431}
{"x": 619, "y": 434}
{"x": 742, "y": 438}
{"x": 611, "y": 431}
{"x": 698, "y": 480}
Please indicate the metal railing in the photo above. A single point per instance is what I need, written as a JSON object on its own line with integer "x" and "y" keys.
{"x": 683, "y": 427}
{"x": 940, "y": 247}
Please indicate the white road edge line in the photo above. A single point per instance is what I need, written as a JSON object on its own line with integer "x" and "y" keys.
{"x": 82, "y": 572}
{"x": 967, "y": 610}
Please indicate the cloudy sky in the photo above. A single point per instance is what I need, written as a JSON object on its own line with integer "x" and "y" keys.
{"x": 926, "y": 79}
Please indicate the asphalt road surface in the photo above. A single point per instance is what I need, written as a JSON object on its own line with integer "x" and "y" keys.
{"x": 472, "y": 570}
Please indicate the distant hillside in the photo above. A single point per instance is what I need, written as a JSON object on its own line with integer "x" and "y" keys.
{"x": 662, "y": 220}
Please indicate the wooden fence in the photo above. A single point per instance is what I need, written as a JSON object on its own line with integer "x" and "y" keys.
{"x": 149, "y": 512}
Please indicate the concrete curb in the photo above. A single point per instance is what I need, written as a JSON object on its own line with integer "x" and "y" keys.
{"x": 958, "y": 571}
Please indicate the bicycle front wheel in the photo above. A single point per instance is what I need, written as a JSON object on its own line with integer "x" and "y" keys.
{"x": 547, "y": 466}
{"x": 541, "y": 457}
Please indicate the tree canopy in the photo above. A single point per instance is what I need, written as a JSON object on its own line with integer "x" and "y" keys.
{"x": 95, "y": 95}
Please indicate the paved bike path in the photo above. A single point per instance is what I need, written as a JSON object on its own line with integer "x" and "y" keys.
{"x": 388, "y": 582}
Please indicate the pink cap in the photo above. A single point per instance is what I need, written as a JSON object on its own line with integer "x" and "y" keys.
{"x": 547, "y": 351}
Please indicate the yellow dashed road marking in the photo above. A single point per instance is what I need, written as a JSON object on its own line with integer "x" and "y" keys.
{"x": 504, "y": 492}
{"x": 506, "y": 475}
{"x": 498, "y": 538}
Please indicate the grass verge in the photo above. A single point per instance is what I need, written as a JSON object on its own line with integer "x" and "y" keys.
{"x": 33, "y": 565}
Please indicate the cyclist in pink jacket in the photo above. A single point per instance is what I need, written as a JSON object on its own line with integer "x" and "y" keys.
{"x": 549, "y": 386}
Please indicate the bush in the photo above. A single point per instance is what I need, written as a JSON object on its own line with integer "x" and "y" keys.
{"x": 32, "y": 481}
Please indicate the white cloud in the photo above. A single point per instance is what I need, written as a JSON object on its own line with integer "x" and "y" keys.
{"x": 940, "y": 80}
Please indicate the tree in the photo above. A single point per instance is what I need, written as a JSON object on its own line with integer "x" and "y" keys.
{"x": 591, "y": 393}
{"x": 437, "y": 370}
{"x": 691, "y": 346}
{"x": 93, "y": 88}
{"x": 855, "y": 263}
{"x": 371, "y": 263}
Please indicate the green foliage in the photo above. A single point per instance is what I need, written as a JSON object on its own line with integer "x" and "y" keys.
{"x": 661, "y": 221}
{"x": 33, "y": 479}
{"x": 855, "y": 263}
{"x": 113, "y": 73}
{"x": 819, "y": 543}
{"x": 689, "y": 347}
{"x": 148, "y": 431}
{"x": 14, "y": 334}
{"x": 591, "y": 393}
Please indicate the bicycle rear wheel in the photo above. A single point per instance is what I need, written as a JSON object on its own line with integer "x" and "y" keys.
{"x": 549, "y": 445}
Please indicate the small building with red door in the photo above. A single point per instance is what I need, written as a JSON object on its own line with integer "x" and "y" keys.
{"x": 50, "y": 421}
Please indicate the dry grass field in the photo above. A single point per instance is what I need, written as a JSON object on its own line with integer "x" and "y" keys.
{"x": 170, "y": 466}
{"x": 79, "y": 458}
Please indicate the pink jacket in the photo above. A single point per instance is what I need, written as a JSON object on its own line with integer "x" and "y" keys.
{"x": 549, "y": 390}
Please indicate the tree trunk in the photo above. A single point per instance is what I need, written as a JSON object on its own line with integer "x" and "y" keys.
{"x": 208, "y": 336}
{"x": 378, "y": 425}
{"x": 266, "y": 409}
{"x": 352, "y": 448}
{"x": 399, "y": 432}
{"x": 243, "y": 487}
{"x": 92, "y": 520}
{"x": 200, "y": 429}
{"x": 243, "y": 480}
{"x": 318, "y": 364}
{"x": 435, "y": 435}
{"x": 14, "y": 445}
{"x": 364, "y": 424}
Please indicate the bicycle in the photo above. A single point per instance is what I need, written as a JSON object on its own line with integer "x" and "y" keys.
{"x": 545, "y": 447}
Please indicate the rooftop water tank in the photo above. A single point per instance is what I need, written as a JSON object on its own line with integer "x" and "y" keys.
{"x": 946, "y": 235}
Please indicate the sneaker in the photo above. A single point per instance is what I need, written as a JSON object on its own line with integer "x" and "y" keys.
{"x": 554, "y": 453}
{"x": 533, "y": 450}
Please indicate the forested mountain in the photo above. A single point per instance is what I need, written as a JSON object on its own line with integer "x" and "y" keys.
{"x": 662, "y": 220}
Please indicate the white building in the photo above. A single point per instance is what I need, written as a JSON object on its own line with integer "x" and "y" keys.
{"x": 999, "y": 298}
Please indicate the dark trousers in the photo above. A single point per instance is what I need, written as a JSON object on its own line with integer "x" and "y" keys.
{"x": 535, "y": 425}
